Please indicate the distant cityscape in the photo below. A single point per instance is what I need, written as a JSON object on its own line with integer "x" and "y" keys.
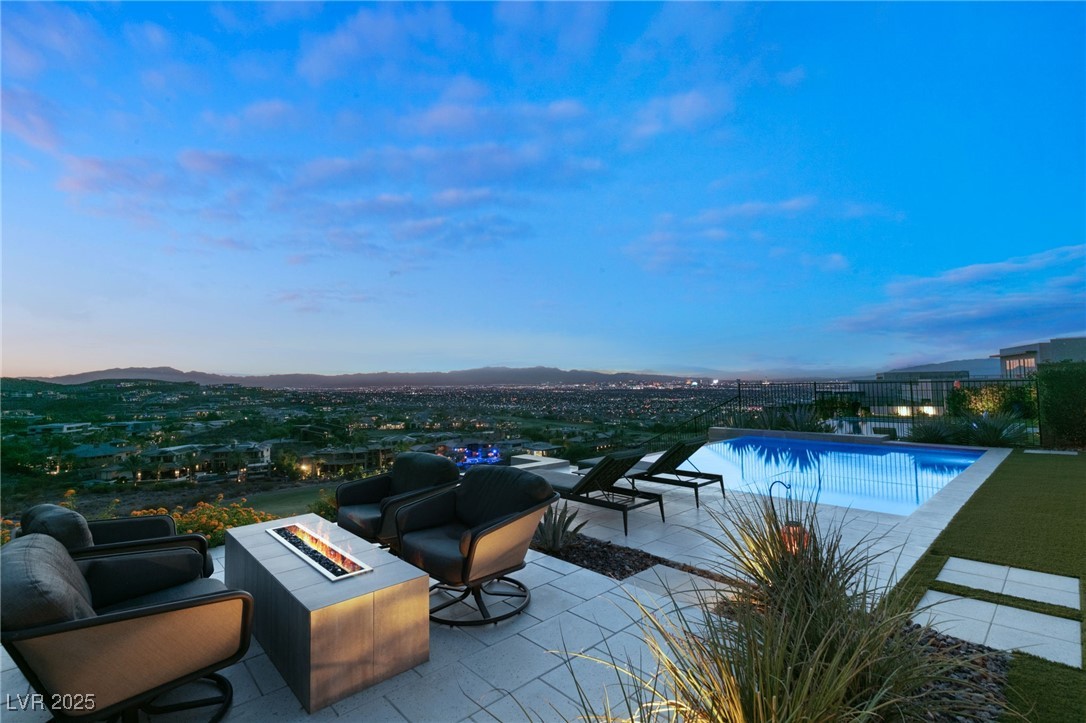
{"x": 114, "y": 435}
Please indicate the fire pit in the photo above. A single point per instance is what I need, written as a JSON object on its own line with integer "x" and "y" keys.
{"x": 332, "y": 562}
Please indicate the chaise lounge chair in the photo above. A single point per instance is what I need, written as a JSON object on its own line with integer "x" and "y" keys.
{"x": 665, "y": 470}
{"x": 597, "y": 487}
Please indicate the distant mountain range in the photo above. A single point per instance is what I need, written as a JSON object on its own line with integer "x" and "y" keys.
{"x": 485, "y": 376}
{"x": 976, "y": 367}
{"x": 467, "y": 377}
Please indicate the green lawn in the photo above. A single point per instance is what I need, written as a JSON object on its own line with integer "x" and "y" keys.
{"x": 292, "y": 501}
{"x": 1031, "y": 513}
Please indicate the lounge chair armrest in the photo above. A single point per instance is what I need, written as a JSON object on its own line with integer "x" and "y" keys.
{"x": 390, "y": 506}
{"x": 191, "y": 541}
{"x": 501, "y": 545}
{"x": 125, "y": 529}
{"x": 368, "y": 490}
{"x": 153, "y": 646}
{"x": 117, "y": 577}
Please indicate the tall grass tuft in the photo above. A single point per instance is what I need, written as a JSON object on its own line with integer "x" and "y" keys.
{"x": 806, "y": 634}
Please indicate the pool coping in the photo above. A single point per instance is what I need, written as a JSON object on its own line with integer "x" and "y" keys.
{"x": 909, "y": 535}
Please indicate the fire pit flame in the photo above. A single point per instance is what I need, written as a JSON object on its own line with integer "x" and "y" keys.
{"x": 333, "y": 562}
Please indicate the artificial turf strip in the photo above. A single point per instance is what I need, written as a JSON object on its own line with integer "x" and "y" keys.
{"x": 1031, "y": 514}
{"x": 1045, "y": 692}
{"x": 996, "y": 598}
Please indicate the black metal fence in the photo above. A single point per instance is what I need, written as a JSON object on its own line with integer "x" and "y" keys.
{"x": 889, "y": 407}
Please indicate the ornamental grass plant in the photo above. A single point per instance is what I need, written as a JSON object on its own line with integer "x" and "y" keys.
{"x": 805, "y": 634}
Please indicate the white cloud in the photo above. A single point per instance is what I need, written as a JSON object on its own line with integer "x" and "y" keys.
{"x": 148, "y": 37}
{"x": 689, "y": 111}
{"x": 752, "y": 209}
{"x": 547, "y": 38}
{"x": 1035, "y": 296}
{"x": 793, "y": 77}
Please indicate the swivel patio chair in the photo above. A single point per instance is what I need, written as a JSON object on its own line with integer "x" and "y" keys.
{"x": 83, "y": 537}
{"x": 108, "y": 636}
{"x": 367, "y": 507}
{"x": 596, "y": 486}
{"x": 471, "y": 537}
{"x": 665, "y": 470}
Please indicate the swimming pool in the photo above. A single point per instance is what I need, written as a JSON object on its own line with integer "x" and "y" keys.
{"x": 880, "y": 478}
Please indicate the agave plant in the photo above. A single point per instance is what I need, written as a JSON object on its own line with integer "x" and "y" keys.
{"x": 803, "y": 418}
{"x": 935, "y": 431}
{"x": 556, "y": 529}
{"x": 996, "y": 430}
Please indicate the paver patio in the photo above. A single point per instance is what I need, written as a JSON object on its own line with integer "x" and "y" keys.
{"x": 498, "y": 672}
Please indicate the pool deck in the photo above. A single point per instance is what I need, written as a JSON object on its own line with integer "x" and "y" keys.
{"x": 500, "y": 671}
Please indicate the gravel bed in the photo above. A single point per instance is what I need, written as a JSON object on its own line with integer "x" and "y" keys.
{"x": 981, "y": 688}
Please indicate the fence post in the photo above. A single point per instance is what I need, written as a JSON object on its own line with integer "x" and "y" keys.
{"x": 1040, "y": 416}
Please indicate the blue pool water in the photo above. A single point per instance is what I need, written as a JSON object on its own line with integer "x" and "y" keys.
{"x": 880, "y": 478}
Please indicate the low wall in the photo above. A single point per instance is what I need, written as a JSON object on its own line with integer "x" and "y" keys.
{"x": 533, "y": 463}
{"x": 719, "y": 434}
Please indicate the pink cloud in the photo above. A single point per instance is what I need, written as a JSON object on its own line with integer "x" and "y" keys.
{"x": 271, "y": 113}
{"x": 462, "y": 197}
{"x": 28, "y": 116}
{"x": 383, "y": 34}
{"x": 38, "y": 34}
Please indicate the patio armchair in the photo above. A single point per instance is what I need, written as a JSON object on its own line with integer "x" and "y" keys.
{"x": 108, "y": 636}
{"x": 665, "y": 470}
{"x": 120, "y": 535}
{"x": 471, "y": 537}
{"x": 596, "y": 486}
{"x": 367, "y": 507}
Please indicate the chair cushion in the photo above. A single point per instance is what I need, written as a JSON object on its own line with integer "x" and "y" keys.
{"x": 362, "y": 520}
{"x": 41, "y": 584}
{"x": 437, "y": 551}
{"x": 490, "y": 493}
{"x": 185, "y": 591}
{"x": 60, "y": 523}
{"x": 419, "y": 470}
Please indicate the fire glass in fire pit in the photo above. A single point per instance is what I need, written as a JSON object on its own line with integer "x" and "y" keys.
{"x": 333, "y": 562}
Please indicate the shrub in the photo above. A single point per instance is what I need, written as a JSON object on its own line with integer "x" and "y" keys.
{"x": 7, "y": 527}
{"x": 556, "y": 529}
{"x": 1062, "y": 388}
{"x": 803, "y": 635}
{"x": 211, "y": 520}
{"x": 996, "y": 430}
{"x": 935, "y": 431}
{"x": 325, "y": 506}
{"x": 1006, "y": 397}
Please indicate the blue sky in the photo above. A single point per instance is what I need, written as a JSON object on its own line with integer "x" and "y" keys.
{"x": 764, "y": 189}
